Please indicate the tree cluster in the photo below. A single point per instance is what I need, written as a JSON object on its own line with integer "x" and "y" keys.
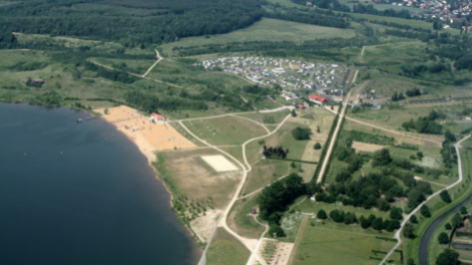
{"x": 300, "y": 133}
{"x": 278, "y": 152}
{"x": 427, "y": 124}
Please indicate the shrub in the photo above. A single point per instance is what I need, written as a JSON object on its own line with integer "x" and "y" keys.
{"x": 396, "y": 213}
{"x": 317, "y": 146}
{"x": 445, "y": 196}
{"x": 300, "y": 133}
{"x": 425, "y": 211}
{"x": 381, "y": 157}
{"x": 448, "y": 226}
{"x": 321, "y": 214}
{"x": 413, "y": 219}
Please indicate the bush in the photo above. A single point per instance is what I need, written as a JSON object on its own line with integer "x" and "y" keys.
{"x": 448, "y": 226}
{"x": 381, "y": 157}
{"x": 321, "y": 214}
{"x": 396, "y": 213}
{"x": 408, "y": 231}
{"x": 276, "y": 230}
{"x": 317, "y": 146}
{"x": 300, "y": 133}
{"x": 413, "y": 219}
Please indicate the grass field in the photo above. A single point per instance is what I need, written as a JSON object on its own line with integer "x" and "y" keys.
{"x": 135, "y": 66}
{"x": 265, "y": 30}
{"x": 226, "y": 250}
{"x": 225, "y": 130}
{"x": 321, "y": 244}
{"x": 267, "y": 118}
{"x": 242, "y": 221}
{"x": 264, "y": 172}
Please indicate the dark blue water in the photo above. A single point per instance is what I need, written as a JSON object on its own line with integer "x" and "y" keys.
{"x": 80, "y": 193}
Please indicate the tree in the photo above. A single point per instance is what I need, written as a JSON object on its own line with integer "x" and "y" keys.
{"x": 396, "y": 213}
{"x": 448, "y": 226}
{"x": 463, "y": 210}
{"x": 425, "y": 211}
{"x": 457, "y": 220}
{"x": 408, "y": 231}
{"x": 381, "y": 157}
{"x": 443, "y": 238}
{"x": 317, "y": 146}
{"x": 294, "y": 114}
{"x": 321, "y": 214}
{"x": 276, "y": 231}
{"x": 420, "y": 155}
{"x": 448, "y": 257}
{"x": 413, "y": 219}
{"x": 445, "y": 196}
{"x": 300, "y": 133}
{"x": 377, "y": 224}
{"x": 410, "y": 261}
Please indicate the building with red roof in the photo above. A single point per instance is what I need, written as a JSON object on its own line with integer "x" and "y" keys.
{"x": 157, "y": 117}
{"x": 318, "y": 99}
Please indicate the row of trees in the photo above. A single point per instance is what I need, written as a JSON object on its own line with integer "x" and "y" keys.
{"x": 275, "y": 152}
{"x": 427, "y": 124}
{"x": 310, "y": 18}
{"x": 348, "y": 218}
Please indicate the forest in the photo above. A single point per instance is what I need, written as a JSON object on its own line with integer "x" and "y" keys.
{"x": 158, "y": 21}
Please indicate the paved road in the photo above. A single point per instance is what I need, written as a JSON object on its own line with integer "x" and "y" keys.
{"x": 159, "y": 58}
{"x": 407, "y": 218}
{"x": 335, "y": 134}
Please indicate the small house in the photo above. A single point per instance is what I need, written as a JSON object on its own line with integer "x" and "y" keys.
{"x": 254, "y": 211}
{"x": 156, "y": 117}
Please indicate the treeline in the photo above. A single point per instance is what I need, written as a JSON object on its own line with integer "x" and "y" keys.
{"x": 310, "y": 18}
{"x": 183, "y": 19}
{"x": 281, "y": 48}
{"x": 275, "y": 199}
{"x": 427, "y": 124}
{"x": 357, "y": 8}
{"x": 377, "y": 223}
{"x": 448, "y": 151}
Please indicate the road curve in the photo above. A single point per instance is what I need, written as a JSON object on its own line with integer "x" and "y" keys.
{"x": 407, "y": 218}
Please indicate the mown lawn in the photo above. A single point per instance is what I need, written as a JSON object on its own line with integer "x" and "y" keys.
{"x": 322, "y": 245}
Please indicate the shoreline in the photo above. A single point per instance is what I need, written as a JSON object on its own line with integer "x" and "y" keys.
{"x": 150, "y": 152}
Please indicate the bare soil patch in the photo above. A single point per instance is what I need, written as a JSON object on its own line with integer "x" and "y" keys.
{"x": 365, "y": 147}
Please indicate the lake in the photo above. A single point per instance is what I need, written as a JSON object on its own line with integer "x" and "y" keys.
{"x": 81, "y": 193}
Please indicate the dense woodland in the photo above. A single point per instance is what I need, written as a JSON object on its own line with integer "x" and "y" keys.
{"x": 147, "y": 22}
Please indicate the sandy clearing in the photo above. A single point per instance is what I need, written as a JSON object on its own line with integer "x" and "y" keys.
{"x": 204, "y": 224}
{"x": 365, "y": 147}
{"x": 219, "y": 163}
{"x": 148, "y": 136}
{"x": 281, "y": 255}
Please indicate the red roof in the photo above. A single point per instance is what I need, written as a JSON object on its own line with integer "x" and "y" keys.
{"x": 318, "y": 98}
{"x": 301, "y": 106}
{"x": 159, "y": 117}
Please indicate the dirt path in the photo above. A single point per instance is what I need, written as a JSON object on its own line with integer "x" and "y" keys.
{"x": 394, "y": 131}
{"x": 335, "y": 134}
{"x": 251, "y": 244}
{"x": 407, "y": 218}
{"x": 133, "y": 74}
{"x": 159, "y": 58}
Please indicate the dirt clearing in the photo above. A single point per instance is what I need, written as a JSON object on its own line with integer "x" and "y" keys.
{"x": 219, "y": 163}
{"x": 365, "y": 147}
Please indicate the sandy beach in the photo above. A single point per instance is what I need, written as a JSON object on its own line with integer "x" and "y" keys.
{"x": 150, "y": 137}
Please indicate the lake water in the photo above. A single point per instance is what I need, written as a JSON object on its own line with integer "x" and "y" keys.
{"x": 80, "y": 193}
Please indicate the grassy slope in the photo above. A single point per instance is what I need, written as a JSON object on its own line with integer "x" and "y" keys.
{"x": 226, "y": 250}
{"x": 265, "y": 30}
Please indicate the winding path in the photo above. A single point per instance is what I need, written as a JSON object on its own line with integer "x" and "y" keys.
{"x": 252, "y": 244}
{"x": 159, "y": 58}
{"x": 407, "y": 218}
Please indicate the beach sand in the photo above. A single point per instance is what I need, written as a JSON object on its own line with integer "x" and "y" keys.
{"x": 148, "y": 136}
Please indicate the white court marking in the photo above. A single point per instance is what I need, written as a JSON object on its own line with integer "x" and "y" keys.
{"x": 219, "y": 163}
